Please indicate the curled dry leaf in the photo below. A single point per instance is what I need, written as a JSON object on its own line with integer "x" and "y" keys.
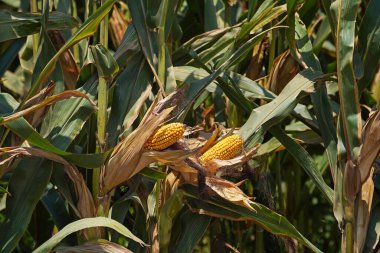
{"x": 36, "y": 118}
{"x": 171, "y": 184}
{"x": 67, "y": 62}
{"x": 229, "y": 191}
{"x": 47, "y": 91}
{"x": 118, "y": 26}
{"x": 140, "y": 158}
{"x": 369, "y": 150}
{"x": 13, "y": 152}
{"x": 101, "y": 246}
{"x": 85, "y": 207}
{"x": 254, "y": 69}
{"x": 47, "y": 101}
{"x": 352, "y": 184}
{"x": 285, "y": 68}
{"x": 167, "y": 156}
{"x": 188, "y": 172}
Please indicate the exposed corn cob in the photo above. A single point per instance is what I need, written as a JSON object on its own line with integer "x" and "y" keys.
{"x": 165, "y": 136}
{"x": 223, "y": 150}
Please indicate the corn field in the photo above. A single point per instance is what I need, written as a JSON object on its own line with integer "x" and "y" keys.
{"x": 189, "y": 126}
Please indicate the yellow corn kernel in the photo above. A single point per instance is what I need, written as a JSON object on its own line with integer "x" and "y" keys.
{"x": 223, "y": 150}
{"x": 165, "y": 136}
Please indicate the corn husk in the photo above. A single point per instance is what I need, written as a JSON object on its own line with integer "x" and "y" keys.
{"x": 229, "y": 191}
{"x": 129, "y": 157}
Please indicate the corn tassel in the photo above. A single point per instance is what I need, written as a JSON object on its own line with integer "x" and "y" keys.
{"x": 223, "y": 150}
{"x": 165, "y": 136}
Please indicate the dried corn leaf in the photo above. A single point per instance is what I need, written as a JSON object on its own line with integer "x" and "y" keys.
{"x": 193, "y": 143}
{"x": 13, "y": 152}
{"x": 168, "y": 156}
{"x": 70, "y": 69}
{"x": 255, "y": 67}
{"x": 85, "y": 207}
{"x": 102, "y": 246}
{"x": 41, "y": 95}
{"x": 46, "y": 102}
{"x": 174, "y": 100}
{"x": 363, "y": 214}
{"x": 188, "y": 173}
{"x": 171, "y": 184}
{"x": 118, "y": 26}
{"x": 38, "y": 115}
{"x": 285, "y": 69}
{"x": 369, "y": 150}
{"x": 229, "y": 191}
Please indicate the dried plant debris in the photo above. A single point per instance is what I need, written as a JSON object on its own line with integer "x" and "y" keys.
{"x": 229, "y": 191}
{"x": 369, "y": 150}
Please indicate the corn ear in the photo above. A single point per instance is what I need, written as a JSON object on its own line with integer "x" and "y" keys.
{"x": 165, "y": 136}
{"x": 223, "y": 150}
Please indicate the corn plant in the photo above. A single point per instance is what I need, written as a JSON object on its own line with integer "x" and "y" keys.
{"x": 189, "y": 126}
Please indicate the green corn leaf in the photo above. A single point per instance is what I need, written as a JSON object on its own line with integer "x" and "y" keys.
{"x": 263, "y": 216}
{"x": 189, "y": 229}
{"x": 320, "y": 99}
{"x": 19, "y": 24}
{"x": 348, "y": 90}
{"x": 165, "y": 222}
{"x": 87, "y": 29}
{"x": 273, "y": 112}
{"x": 83, "y": 224}
{"x": 369, "y": 43}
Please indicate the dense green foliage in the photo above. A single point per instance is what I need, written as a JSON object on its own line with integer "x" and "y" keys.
{"x": 298, "y": 80}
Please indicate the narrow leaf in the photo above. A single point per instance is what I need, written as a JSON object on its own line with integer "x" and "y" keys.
{"x": 83, "y": 224}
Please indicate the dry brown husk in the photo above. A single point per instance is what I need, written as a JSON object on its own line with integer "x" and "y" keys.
{"x": 369, "y": 150}
{"x": 126, "y": 159}
{"x": 129, "y": 157}
{"x": 363, "y": 213}
{"x": 227, "y": 190}
{"x": 285, "y": 68}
